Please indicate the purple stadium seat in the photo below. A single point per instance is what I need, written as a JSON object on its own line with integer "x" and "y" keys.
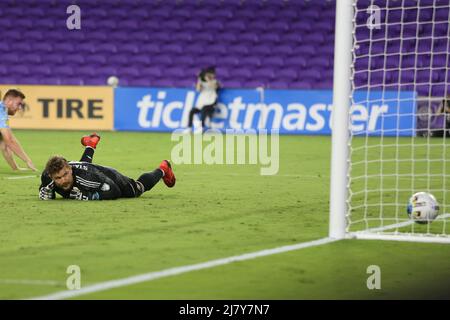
{"x": 204, "y": 37}
{"x": 236, "y": 26}
{"x": 35, "y": 35}
{"x": 320, "y": 63}
{"x": 63, "y": 47}
{"x": 261, "y": 50}
{"x": 20, "y": 70}
{"x": 314, "y": 38}
{"x": 257, "y": 26}
{"x": 254, "y": 84}
{"x": 10, "y": 58}
{"x": 241, "y": 74}
{"x": 3, "y": 70}
{"x": 150, "y": 25}
{"x": 182, "y": 37}
{"x": 296, "y": 61}
{"x": 106, "y": 71}
{"x": 305, "y": 85}
{"x": 4, "y": 47}
{"x": 278, "y": 84}
{"x": 172, "y": 25}
{"x": 163, "y": 82}
{"x": 181, "y": 14}
{"x": 226, "y": 37}
{"x": 307, "y": 50}
{"x": 228, "y": 61}
{"x": 175, "y": 73}
{"x": 40, "y": 24}
{"x": 273, "y": 61}
{"x": 129, "y": 48}
{"x": 96, "y": 59}
{"x": 64, "y": 71}
{"x": 287, "y": 74}
{"x": 138, "y": 14}
{"x": 284, "y": 43}
{"x": 269, "y": 38}
{"x": 185, "y": 61}
{"x": 151, "y": 72}
{"x": 249, "y": 37}
{"x": 217, "y": 49}
{"x": 6, "y": 24}
{"x": 194, "y": 49}
{"x": 126, "y": 72}
{"x": 267, "y": 14}
{"x": 222, "y": 72}
{"x": 85, "y": 71}
{"x": 239, "y": 50}
{"x": 96, "y": 81}
{"x": 162, "y": 59}
{"x": 149, "y": 48}
{"x": 216, "y": 25}
{"x": 263, "y": 73}
{"x": 86, "y": 48}
{"x": 31, "y": 80}
{"x": 42, "y": 46}
{"x": 74, "y": 59}
{"x": 210, "y": 60}
{"x": 284, "y": 50}
{"x": 292, "y": 39}
{"x": 101, "y": 36}
{"x": 193, "y": 25}
{"x": 118, "y": 59}
{"x": 251, "y": 61}
{"x": 106, "y": 48}
{"x": 232, "y": 84}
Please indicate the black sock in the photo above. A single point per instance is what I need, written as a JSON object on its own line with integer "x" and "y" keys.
{"x": 88, "y": 155}
{"x": 149, "y": 179}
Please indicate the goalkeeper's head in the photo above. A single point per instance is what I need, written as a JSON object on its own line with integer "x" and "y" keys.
{"x": 60, "y": 172}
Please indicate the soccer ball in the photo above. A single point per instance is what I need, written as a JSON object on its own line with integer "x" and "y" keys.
{"x": 113, "y": 81}
{"x": 423, "y": 207}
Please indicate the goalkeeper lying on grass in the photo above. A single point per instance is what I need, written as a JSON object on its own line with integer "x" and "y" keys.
{"x": 84, "y": 180}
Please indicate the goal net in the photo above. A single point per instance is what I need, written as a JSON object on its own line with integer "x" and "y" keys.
{"x": 397, "y": 143}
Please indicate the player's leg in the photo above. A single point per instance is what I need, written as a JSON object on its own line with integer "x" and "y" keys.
{"x": 148, "y": 180}
{"x": 88, "y": 155}
{"x": 207, "y": 112}
{"x": 131, "y": 188}
{"x": 90, "y": 142}
{"x": 191, "y": 116}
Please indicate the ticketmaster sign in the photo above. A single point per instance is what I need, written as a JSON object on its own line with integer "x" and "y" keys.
{"x": 289, "y": 111}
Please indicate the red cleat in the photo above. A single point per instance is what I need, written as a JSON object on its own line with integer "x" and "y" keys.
{"x": 169, "y": 176}
{"x": 91, "y": 140}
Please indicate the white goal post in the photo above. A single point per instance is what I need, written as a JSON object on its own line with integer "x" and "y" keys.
{"x": 388, "y": 56}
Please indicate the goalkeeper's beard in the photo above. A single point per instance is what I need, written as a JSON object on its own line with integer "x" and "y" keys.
{"x": 66, "y": 187}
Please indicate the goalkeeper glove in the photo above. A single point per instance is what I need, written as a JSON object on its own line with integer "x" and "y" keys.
{"x": 76, "y": 194}
{"x": 47, "y": 192}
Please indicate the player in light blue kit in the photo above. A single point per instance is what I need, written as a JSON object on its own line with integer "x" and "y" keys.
{"x": 9, "y": 145}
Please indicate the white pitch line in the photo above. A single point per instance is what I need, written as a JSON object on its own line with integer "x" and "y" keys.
{"x": 20, "y": 177}
{"x": 256, "y": 175}
{"x": 403, "y": 224}
{"x": 32, "y": 282}
{"x": 102, "y": 286}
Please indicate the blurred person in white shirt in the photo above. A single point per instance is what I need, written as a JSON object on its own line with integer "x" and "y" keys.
{"x": 208, "y": 87}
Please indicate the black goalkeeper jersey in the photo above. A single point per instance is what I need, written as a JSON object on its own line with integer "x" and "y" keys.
{"x": 95, "y": 182}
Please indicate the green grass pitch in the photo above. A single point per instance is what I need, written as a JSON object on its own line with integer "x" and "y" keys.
{"x": 214, "y": 211}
